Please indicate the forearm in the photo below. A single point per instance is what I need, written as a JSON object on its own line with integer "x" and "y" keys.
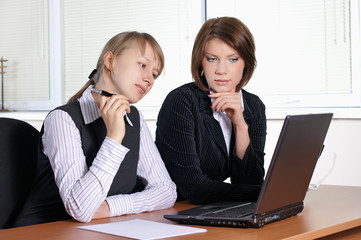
{"x": 250, "y": 169}
{"x": 82, "y": 190}
{"x": 83, "y": 193}
{"x": 154, "y": 198}
{"x": 103, "y": 211}
{"x": 242, "y": 139}
{"x": 204, "y": 190}
{"x": 160, "y": 191}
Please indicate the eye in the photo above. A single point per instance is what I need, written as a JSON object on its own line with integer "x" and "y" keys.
{"x": 211, "y": 59}
{"x": 142, "y": 65}
{"x": 155, "y": 75}
{"x": 233, "y": 59}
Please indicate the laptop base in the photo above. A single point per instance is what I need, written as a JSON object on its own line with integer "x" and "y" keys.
{"x": 251, "y": 221}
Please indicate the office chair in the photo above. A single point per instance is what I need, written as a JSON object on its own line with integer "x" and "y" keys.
{"x": 18, "y": 159}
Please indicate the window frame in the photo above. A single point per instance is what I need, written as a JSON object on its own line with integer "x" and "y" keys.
{"x": 345, "y": 106}
{"x": 342, "y": 100}
{"x": 55, "y": 66}
{"x": 334, "y": 101}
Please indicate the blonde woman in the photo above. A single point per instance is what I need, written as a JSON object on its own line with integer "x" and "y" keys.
{"x": 97, "y": 157}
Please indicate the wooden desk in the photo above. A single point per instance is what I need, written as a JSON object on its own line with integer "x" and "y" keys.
{"x": 331, "y": 212}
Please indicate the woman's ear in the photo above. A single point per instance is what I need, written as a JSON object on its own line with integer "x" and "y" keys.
{"x": 108, "y": 60}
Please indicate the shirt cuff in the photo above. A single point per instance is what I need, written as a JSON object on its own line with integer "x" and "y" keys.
{"x": 110, "y": 156}
{"x": 120, "y": 205}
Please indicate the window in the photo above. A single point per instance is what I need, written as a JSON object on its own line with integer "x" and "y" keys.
{"x": 68, "y": 36}
{"x": 30, "y": 40}
{"x": 24, "y": 43}
{"x": 307, "y": 51}
{"x": 88, "y": 25}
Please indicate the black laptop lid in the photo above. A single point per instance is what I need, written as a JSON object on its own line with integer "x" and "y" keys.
{"x": 294, "y": 159}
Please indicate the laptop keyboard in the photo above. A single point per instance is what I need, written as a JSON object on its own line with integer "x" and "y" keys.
{"x": 236, "y": 211}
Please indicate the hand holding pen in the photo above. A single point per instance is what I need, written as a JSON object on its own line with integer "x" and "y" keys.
{"x": 112, "y": 107}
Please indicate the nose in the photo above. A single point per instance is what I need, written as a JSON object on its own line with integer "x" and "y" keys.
{"x": 147, "y": 81}
{"x": 221, "y": 67}
{"x": 148, "y": 78}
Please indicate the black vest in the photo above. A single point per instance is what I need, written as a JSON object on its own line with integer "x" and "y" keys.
{"x": 44, "y": 203}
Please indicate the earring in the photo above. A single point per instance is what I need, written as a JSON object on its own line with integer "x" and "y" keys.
{"x": 202, "y": 74}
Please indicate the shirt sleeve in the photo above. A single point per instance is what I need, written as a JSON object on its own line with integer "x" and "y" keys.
{"x": 82, "y": 190}
{"x": 159, "y": 192}
{"x": 250, "y": 169}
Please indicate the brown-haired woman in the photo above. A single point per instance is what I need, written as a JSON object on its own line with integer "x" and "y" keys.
{"x": 212, "y": 129}
{"x": 97, "y": 157}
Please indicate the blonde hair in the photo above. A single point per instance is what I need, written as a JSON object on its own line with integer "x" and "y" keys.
{"x": 117, "y": 45}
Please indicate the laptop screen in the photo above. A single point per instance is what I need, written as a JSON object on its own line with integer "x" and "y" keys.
{"x": 298, "y": 148}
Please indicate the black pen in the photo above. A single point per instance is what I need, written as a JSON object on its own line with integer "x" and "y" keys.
{"x": 102, "y": 92}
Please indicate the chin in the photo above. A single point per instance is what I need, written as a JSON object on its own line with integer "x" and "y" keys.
{"x": 222, "y": 90}
{"x": 134, "y": 100}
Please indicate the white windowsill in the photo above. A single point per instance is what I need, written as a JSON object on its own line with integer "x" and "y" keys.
{"x": 150, "y": 113}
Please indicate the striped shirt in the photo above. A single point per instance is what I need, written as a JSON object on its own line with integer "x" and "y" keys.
{"x": 83, "y": 190}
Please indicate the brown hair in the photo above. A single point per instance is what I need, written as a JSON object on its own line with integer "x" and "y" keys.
{"x": 234, "y": 33}
{"x": 117, "y": 45}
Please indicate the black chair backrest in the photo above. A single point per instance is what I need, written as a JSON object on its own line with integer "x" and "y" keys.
{"x": 18, "y": 158}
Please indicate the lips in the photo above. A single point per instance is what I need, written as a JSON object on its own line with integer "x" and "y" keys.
{"x": 221, "y": 81}
{"x": 140, "y": 88}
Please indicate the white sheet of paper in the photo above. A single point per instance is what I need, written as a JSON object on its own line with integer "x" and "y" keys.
{"x": 143, "y": 229}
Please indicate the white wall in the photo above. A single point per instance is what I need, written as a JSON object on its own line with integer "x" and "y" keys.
{"x": 342, "y": 141}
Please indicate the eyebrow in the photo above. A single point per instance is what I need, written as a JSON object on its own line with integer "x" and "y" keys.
{"x": 146, "y": 58}
{"x": 156, "y": 69}
{"x": 231, "y": 55}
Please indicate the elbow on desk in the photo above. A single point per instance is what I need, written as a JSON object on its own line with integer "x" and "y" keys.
{"x": 83, "y": 220}
{"x": 168, "y": 200}
{"x": 81, "y": 215}
{"x": 166, "y": 196}
{"x": 172, "y": 195}
{"x": 160, "y": 196}
{"x": 196, "y": 199}
{"x": 200, "y": 196}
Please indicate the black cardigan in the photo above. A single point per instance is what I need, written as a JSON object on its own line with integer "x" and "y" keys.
{"x": 192, "y": 146}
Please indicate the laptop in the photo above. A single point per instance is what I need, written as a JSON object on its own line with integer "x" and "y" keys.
{"x": 298, "y": 148}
